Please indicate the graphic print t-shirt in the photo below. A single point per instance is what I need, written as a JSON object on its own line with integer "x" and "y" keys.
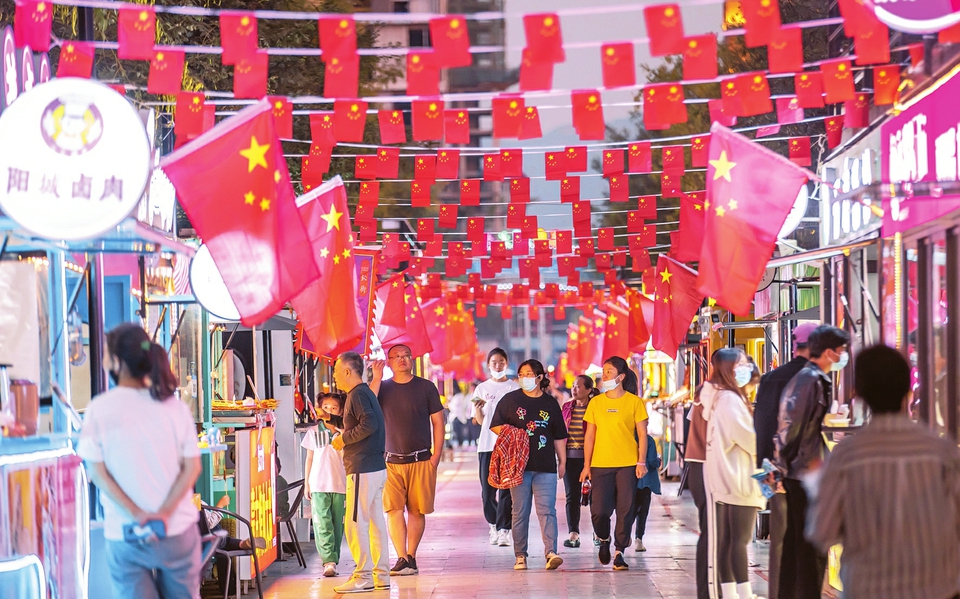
{"x": 541, "y": 418}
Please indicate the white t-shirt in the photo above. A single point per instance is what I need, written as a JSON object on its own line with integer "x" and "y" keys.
{"x": 491, "y": 391}
{"x": 141, "y": 441}
{"x": 327, "y": 474}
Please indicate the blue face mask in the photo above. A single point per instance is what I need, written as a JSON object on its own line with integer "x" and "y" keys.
{"x": 844, "y": 359}
{"x": 528, "y": 383}
{"x": 743, "y": 375}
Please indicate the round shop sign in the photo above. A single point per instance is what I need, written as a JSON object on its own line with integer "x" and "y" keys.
{"x": 208, "y": 286}
{"x": 916, "y": 16}
{"x": 75, "y": 159}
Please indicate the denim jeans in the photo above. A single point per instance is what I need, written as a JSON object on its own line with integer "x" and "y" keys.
{"x": 168, "y": 568}
{"x": 539, "y": 488}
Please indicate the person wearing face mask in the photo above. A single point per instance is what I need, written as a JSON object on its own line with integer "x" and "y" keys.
{"x": 728, "y": 471}
{"x": 497, "y": 507}
{"x": 532, "y": 409}
{"x": 573, "y": 411}
{"x": 615, "y": 456}
{"x": 799, "y": 450}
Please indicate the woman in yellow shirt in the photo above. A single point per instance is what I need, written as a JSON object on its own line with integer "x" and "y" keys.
{"x": 615, "y": 455}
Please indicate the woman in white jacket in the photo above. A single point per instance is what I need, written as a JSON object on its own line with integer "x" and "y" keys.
{"x": 728, "y": 470}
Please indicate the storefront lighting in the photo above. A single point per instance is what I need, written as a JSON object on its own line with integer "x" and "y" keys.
{"x": 898, "y": 287}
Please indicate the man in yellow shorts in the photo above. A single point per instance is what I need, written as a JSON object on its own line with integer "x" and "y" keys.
{"x": 414, "y": 421}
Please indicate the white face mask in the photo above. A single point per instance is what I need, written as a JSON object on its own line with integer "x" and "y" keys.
{"x": 743, "y": 375}
{"x": 498, "y": 374}
{"x": 528, "y": 383}
{"x": 844, "y": 360}
{"x": 609, "y": 385}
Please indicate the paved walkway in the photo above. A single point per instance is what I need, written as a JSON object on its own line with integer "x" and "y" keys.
{"x": 457, "y": 562}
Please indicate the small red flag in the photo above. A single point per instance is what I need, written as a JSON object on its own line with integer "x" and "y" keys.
{"x": 529, "y": 228}
{"x": 282, "y": 115}
{"x": 634, "y": 221}
{"x": 616, "y": 338}
{"x": 425, "y": 168}
{"x": 166, "y": 71}
{"x": 188, "y": 114}
{"x": 350, "y": 117}
{"x": 76, "y": 60}
{"x": 423, "y": 75}
{"x": 641, "y": 317}
{"x": 412, "y": 332}
{"x": 520, "y": 190}
{"x": 886, "y": 83}
{"x": 872, "y": 45}
{"x": 136, "y": 32}
{"x": 663, "y": 105}
{"x": 570, "y": 189}
{"x": 673, "y": 160}
{"x": 511, "y": 162}
{"x": 789, "y": 110}
{"x": 448, "y": 164}
{"x": 234, "y": 186}
{"x": 619, "y": 188}
{"x": 856, "y": 112}
{"x": 388, "y": 163}
{"x": 491, "y": 168}
{"x": 617, "y": 63}
{"x": 664, "y": 28}
{"x": 370, "y": 193}
{"x": 420, "y": 193}
{"x": 516, "y": 214}
{"x": 809, "y": 89}
{"x": 605, "y": 239}
{"x": 677, "y": 302}
{"x": 366, "y": 166}
{"x": 670, "y": 185}
{"x": 837, "y": 80}
{"x": 564, "y": 242}
{"x": 690, "y": 233}
{"x": 856, "y": 17}
{"x": 32, "y": 22}
{"x": 390, "y": 308}
{"x": 238, "y": 36}
{"x": 761, "y": 20}
{"x": 250, "y": 76}
{"x": 575, "y": 158}
{"x": 799, "y": 148}
{"x": 612, "y": 162}
{"x": 544, "y": 37}
{"x": 699, "y": 151}
{"x": 834, "y": 127}
{"x": 314, "y": 166}
{"x": 535, "y": 76}
{"x": 530, "y": 129}
{"x": 744, "y": 216}
{"x": 338, "y": 37}
{"x": 322, "y": 130}
{"x": 587, "y": 248}
{"x": 555, "y": 166}
{"x": 718, "y": 113}
{"x": 470, "y": 192}
{"x": 639, "y": 157}
{"x": 392, "y": 130}
{"x": 451, "y": 41}
{"x": 448, "y": 216}
{"x": 427, "y": 120}
{"x": 456, "y": 126}
{"x": 475, "y": 232}
{"x": 341, "y": 77}
{"x": 507, "y": 117}
{"x": 754, "y": 92}
{"x": 785, "y": 50}
{"x": 588, "y": 114}
{"x": 647, "y": 207}
{"x": 700, "y": 57}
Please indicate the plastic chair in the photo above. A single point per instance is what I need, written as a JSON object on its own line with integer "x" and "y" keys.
{"x": 238, "y": 553}
{"x": 286, "y": 517}
{"x": 23, "y": 577}
{"x": 209, "y": 543}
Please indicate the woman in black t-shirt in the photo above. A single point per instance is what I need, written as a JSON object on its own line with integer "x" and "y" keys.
{"x": 538, "y": 413}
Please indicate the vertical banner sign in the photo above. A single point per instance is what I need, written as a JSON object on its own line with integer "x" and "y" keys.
{"x": 367, "y": 261}
{"x": 259, "y": 476}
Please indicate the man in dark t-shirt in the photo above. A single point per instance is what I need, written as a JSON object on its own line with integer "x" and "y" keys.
{"x": 414, "y": 423}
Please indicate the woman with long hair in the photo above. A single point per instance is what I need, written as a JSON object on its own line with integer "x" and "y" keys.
{"x": 728, "y": 470}
{"x": 615, "y": 456}
{"x": 583, "y": 391}
{"x": 140, "y": 427}
{"x": 694, "y": 456}
{"x": 532, "y": 409}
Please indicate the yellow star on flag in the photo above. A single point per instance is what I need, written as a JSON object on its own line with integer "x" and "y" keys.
{"x": 612, "y": 319}
{"x": 665, "y": 275}
{"x": 722, "y": 167}
{"x": 598, "y": 323}
{"x": 256, "y": 154}
{"x": 324, "y": 252}
{"x": 438, "y": 311}
{"x": 332, "y": 218}
{"x": 720, "y": 211}
{"x": 732, "y": 205}
{"x": 249, "y": 198}
{"x": 336, "y": 260}
{"x": 264, "y": 204}
{"x": 346, "y": 253}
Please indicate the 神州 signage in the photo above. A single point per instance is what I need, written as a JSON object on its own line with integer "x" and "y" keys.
{"x": 75, "y": 161}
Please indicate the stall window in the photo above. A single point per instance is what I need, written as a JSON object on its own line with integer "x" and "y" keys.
{"x": 911, "y": 321}
{"x": 938, "y": 337}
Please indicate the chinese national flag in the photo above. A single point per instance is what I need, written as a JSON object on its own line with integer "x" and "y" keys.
{"x": 491, "y": 168}
{"x": 338, "y": 37}
{"x": 641, "y": 319}
{"x": 754, "y": 94}
{"x": 664, "y": 28}
{"x": 136, "y": 32}
{"x": 730, "y": 96}
{"x": 762, "y": 19}
{"x": 673, "y": 160}
{"x": 570, "y": 189}
{"x": 647, "y": 207}
{"x": 350, "y": 117}
{"x": 856, "y": 16}
{"x": 690, "y": 236}
{"x": 328, "y": 308}
{"x": 456, "y": 126}
{"x": 575, "y": 158}
{"x": 670, "y": 185}
{"x": 564, "y": 242}
{"x": 366, "y": 166}
{"x": 872, "y": 45}
{"x": 617, "y": 63}
{"x": 555, "y": 165}
{"x": 322, "y": 130}
{"x": 834, "y": 127}
{"x": 544, "y": 38}
{"x": 530, "y": 129}
{"x": 427, "y": 120}
{"x": 32, "y": 22}
{"x": 282, "y": 115}
{"x": 475, "y": 232}
{"x": 250, "y": 76}
{"x": 388, "y": 163}
{"x": 451, "y": 41}
{"x": 188, "y": 115}
{"x": 392, "y": 130}
{"x": 789, "y": 110}
{"x": 744, "y": 214}
{"x": 785, "y": 50}
{"x": 166, "y": 71}
{"x": 341, "y": 77}
{"x": 588, "y": 114}
{"x": 605, "y": 239}
{"x": 76, "y": 60}
{"x": 516, "y": 215}
{"x": 426, "y": 231}
{"x": 390, "y": 309}
{"x": 676, "y": 303}
{"x": 448, "y": 216}
{"x": 511, "y": 162}
{"x": 663, "y": 105}
{"x": 619, "y": 188}
{"x": 837, "y": 80}
{"x": 411, "y": 330}
{"x": 612, "y": 162}
{"x": 699, "y": 151}
{"x": 420, "y": 193}
{"x": 856, "y": 112}
{"x": 520, "y": 190}
{"x": 238, "y": 36}
{"x": 799, "y": 148}
{"x": 436, "y": 319}
{"x": 507, "y": 117}
{"x": 639, "y": 157}
{"x": 535, "y": 76}
{"x": 314, "y": 166}
{"x": 809, "y": 89}
{"x": 616, "y": 338}
{"x": 448, "y": 164}
{"x": 423, "y": 75}
{"x": 470, "y": 192}
{"x": 719, "y": 114}
{"x": 647, "y": 237}
{"x": 233, "y": 184}
{"x": 886, "y": 82}
{"x": 700, "y": 57}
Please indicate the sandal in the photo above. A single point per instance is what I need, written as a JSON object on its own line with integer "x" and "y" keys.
{"x": 572, "y": 544}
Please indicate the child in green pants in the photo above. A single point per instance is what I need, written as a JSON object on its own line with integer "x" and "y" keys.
{"x": 326, "y": 485}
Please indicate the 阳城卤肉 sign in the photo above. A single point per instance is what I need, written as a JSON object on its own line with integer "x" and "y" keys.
{"x": 916, "y": 16}
{"x": 75, "y": 159}
{"x": 922, "y": 143}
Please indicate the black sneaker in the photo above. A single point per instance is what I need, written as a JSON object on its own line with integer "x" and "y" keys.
{"x": 604, "y": 552}
{"x": 618, "y": 563}
{"x": 411, "y": 567}
{"x": 400, "y": 567}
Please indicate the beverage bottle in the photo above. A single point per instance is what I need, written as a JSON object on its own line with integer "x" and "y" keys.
{"x": 585, "y": 492}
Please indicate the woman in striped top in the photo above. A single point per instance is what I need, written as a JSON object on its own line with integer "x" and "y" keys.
{"x": 583, "y": 391}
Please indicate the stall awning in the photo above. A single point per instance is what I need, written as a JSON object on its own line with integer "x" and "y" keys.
{"x": 129, "y": 237}
{"x": 822, "y": 253}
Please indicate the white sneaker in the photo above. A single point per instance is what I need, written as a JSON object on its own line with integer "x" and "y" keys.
{"x": 638, "y": 546}
{"x": 521, "y": 563}
{"x": 494, "y": 537}
{"x": 503, "y": 538}
{"x": 354, "y": 585}
{"x": 330, "y": 570}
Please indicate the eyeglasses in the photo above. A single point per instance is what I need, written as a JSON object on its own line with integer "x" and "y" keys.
{"x": 402, "y": 357}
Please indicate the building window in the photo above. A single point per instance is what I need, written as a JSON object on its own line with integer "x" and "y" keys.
{"x": 401, "y": 6}
{"x": 418, "y": 37}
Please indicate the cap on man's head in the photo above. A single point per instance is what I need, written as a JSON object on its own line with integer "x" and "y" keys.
{"x": 802, "y": 333}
